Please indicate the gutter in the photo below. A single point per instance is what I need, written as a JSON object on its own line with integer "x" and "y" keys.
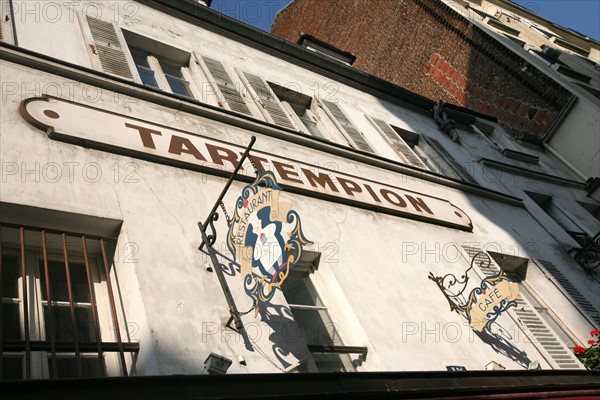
{"x": 12, "y": 21}
{"x": 523, "y": 171}
{"x": 564, "y": 161}
{"x": 559, "y": 118}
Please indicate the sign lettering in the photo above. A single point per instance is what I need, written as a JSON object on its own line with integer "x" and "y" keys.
{"x": 96, "y": 128}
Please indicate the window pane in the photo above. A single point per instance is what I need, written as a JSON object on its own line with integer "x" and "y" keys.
{"x": 179, "y": 86}
{"x": 63, "y": 328}
{"x": 170, "y": 68}
{"x": 316, "y": 327}
{"x": 312, "y": 127}
{"x": 10, "y": 276}
{"x": 140, "y": 57}
{"x": 300, "y": 291}
{"x": 310, "y": 124}
{"x": 147, "y": 76}
{"x": 11, "y": 321}
{"x": 58, "y": 282}
{"x": 12, "y": 368}
{"x": 330, "y": 362}
{"x": 67, "y": 367}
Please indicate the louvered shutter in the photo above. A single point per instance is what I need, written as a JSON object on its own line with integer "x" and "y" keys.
{"x": 108, "y": 47}
{"x": 571, "y": 290}
{"x": 219, "y": 76}
{"x": 343, "y": 122}
{"x": 561, "y": 356}
{"x": 268, "y": 100}
{"x": 397, "y": 142}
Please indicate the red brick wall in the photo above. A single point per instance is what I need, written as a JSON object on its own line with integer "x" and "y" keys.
{"x": 428, "y": 48}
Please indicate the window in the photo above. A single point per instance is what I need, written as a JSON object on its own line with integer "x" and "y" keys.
{"x": 559, "y": 215}
{"x": 592, "y": 209}
{"x": 300, "y": 108}
{"x": 326, "y": 49}
{"x": 154, "y": 69}
{"x": 307, "y": 295}
{"x": 161, "y": 66}
{"x": 311, "y": 315}
{"x": 143, "y": 66}
{"x": 543, "y": 327}
{"x": 59, "y": 316}
{"x": 399, "y": 138}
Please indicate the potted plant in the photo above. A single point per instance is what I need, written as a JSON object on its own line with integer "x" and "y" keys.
{"x": 590, "y": 357}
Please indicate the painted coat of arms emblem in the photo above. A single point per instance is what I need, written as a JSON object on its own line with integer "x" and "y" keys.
{"x": 265, "y": 237}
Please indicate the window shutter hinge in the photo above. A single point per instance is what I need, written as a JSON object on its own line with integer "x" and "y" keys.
{"x": 93, "y": 48}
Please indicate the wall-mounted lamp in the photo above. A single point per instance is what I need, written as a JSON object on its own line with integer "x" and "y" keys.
{"x": 494, "y": 366}
{"x": 216, "y": 365}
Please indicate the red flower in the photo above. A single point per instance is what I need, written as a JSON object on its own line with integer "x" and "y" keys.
{"x": 591, "y": 342}
{"x": 595, "y": 332}
{"x": 579, "y": 350}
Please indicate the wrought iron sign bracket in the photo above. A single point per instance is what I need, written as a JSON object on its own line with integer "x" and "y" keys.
{"x": 209, "y": 239}
{"x": 484, "y": 304}
{"x": 445, "y": 284}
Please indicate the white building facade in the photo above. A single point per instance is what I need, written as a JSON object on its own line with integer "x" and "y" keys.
{"x": 121, "y": 123}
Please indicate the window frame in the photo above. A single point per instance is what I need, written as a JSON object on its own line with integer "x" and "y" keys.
{"x": 336, "y": 307}
{"x": 36, "y": 348}
{"x": 311, "y": 110}
{"x": 154, "y": 64}
{"x": 36, "y": 316}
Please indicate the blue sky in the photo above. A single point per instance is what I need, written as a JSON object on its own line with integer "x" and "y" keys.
{"x": 580, "y": 15}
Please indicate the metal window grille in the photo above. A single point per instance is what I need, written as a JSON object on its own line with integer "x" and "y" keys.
{"x": 56, "y": 297}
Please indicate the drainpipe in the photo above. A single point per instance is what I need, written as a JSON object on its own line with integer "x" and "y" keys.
{"x": 564, "y": 161}
{"x": 12, "y": 20}
{"x": 560, "y": 118}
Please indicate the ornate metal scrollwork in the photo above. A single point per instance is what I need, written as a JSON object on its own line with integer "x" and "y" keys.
{"x": 589, "y": 255}
{"x": 453, "y": 288}
{"x": 212, "y": 236}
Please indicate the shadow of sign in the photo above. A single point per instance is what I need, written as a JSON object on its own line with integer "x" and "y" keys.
{"x": 502, "y": 345}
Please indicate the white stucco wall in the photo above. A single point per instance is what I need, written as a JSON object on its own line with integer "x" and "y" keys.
{"x": 374, "y": 267}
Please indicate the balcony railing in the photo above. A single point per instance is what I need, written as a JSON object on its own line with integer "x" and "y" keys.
{"x": 589, "y": 254}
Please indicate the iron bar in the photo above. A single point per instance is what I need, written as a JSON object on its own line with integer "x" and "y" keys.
{"x": 65, "y": 347}
{"x": 319, "y": 348}
{"x": 95, "y": 319}
{"x": 50, "y": 307}
{"x": 72, "y": 307}
{"x": 213, "y": 216}
{"x": 113, "y": 308}
{"x": 589, "y": 254}
{"x": 25, "y": 307}
{"x": 225, "y": 189}
{"x": 54, "y": 231}
{"x": 233, "y": 311}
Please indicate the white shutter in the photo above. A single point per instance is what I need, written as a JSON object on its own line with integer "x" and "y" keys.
{"x": 346, "y": 126}
{"x": 561, "y": 356}
{"x": 571, "y": 290}
{"x": 268, "y": 100}
{"x": 108, "y": 47}
{"x": 397, "y": 142}
{"x": 230, "y": 96}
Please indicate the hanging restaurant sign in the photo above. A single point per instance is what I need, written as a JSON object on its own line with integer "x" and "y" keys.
{"x": 265, "y": 237}
{"x": 485, "y": 303}
{"x": 95, "y": 128}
